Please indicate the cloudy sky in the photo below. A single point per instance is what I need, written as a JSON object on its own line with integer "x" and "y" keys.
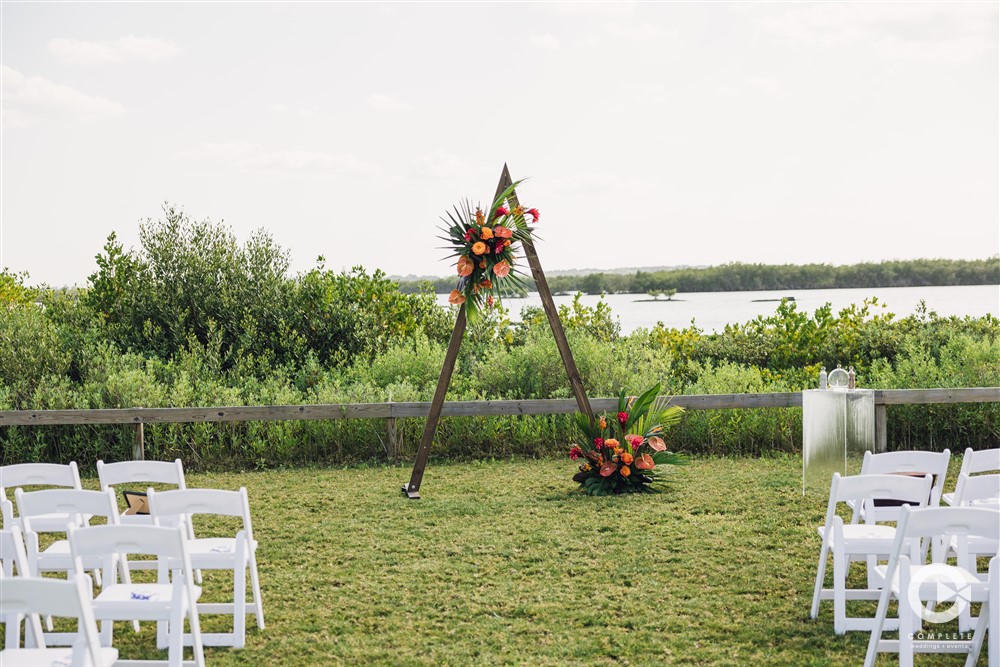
{"x": 653, "y": 134}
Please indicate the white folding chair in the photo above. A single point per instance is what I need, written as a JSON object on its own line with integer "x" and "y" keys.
{"x": 72, "y": 503}
{"x": 79, "y": 506}
{"x": 14, "y": 558}
{"x": 913, "y": 583}
{"x": 141, "y": 474}
{"x": 36, "y": 474}
{"x": 55, "y": 597}
{"x": 171, "y": 599}
{"x": 981, "y": 491}
{"x": 973, "y": 462}
{"x": 238, "y": 553}
{"x": 859, "y": 541}
{"x": 907, "y": 463}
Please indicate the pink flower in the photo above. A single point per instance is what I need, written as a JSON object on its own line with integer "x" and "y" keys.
{"x": 598, "y": 442}
{"x": 503, "y": 210}
{"x": 635, "y": 440}
{"x": 502, "y": 232}
{"x": 468, "y": 235}
{"x": 533, "y": 212}
{"x": 622, "y": 418}
{"x": 575, "y": 452}
{"x": 656, "y": 444}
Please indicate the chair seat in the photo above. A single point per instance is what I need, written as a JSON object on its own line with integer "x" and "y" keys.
{"x": 57, "y": 557}
{"x": 128, "y": 600}
{"x": 54, "y": 522}
{"x": 51, "y": 657}
{"x": 865, "y": 537}
{"x": 942, "y": 582}
{"x": 215, "y": 547}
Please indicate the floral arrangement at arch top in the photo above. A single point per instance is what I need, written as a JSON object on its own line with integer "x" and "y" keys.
{"x": 486, "y": 244}
{"x": 625, "y": 452}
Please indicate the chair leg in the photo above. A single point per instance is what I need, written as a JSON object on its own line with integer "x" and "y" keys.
{"x": 840, "y": 565}
{"x": 197, "y": 646}
{"x": 977, "y": 638}
{"x": 239, "y": 605}
{"x": 817, "y": 587}
{"x": 258, "y": 602}
{"x": 906, "y": 632}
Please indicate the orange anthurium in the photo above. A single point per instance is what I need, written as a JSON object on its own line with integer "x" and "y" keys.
{"x": 501, "y": 269}
{"x": 644, "y": 462}
{"x": 608, "y": 469}
{"x": 456, "y": 298}
{"x": 502, "y": 232}
{"x": 657, "y": 444}
{"x": 465, "y": 266}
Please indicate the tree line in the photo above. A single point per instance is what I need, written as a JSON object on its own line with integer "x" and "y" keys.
{"x": 738, "y": 277}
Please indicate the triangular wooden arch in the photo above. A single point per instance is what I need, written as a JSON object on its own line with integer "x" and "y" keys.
{"x": 412, "y": 490}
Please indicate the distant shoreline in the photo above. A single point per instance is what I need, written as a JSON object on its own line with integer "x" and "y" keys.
{"x": 760, "y": 277}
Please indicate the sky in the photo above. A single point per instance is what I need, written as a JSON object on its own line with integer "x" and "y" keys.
{"x": 651, "y": 134}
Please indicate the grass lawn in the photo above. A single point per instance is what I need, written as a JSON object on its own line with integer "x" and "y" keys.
{"x": 505, "y": 563}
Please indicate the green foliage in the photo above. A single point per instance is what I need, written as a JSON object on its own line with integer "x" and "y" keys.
{"x": 194, "y": 318}
{"x": 13, "y": 291}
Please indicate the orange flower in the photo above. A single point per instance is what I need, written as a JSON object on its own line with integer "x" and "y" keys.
{"x": 486, "y": 233}
{"x": 611, "y": 442}
{"x": 602, "y": 423}
{"x": 482, "y": 264}
{"x": 501, "y": 269}
{"x": 465, "y": 266}
{"x": 627, "y": 458}
{"x": 656, "y": 444}
{"x": 479, "y": 248}
{"x": 645, "y": 462}
{"x": 608, "y": 469}
{"x": 456, "y": 298}
{"x": 518, "y": 210}
{"x": 502, "y": 232}
{"x": 480, "y": 218}
{"x": 487, "y": 283}
{"x": 506, "y": 243}
{"x": 626, "y": 471}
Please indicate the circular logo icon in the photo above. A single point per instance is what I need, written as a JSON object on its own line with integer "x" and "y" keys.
{"x": 944, "y": 584}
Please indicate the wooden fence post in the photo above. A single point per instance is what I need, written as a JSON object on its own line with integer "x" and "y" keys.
{"x": 392, "y": 437}
{"x": 139, "y": 448}
{"x": 881, "y": 427}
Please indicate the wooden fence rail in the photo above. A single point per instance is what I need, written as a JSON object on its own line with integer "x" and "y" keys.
{"x": 393, "y": 411}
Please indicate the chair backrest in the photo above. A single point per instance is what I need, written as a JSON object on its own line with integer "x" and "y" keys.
{"x": 75, "y": 503}
{"x": 34, "y": 474}
{"x": 862, "y": 488}
{"x": 978, "y": 491}
{"x": 187, "y": 502}
{"x": 984, "y": 460}
{"x": 131, "y": 472}
{"x": 113, "y": 542}
{"x": 934, "y": 463}
{"x": 12, "y": 554}
{"x": 56, "y": 597}
{"x": 947, "y": 521}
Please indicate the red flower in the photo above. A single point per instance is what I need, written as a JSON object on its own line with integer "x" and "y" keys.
{"x": 503, "y": 210}
{"x": 635, "y": 440}
{"x": 622, "y": 418}
{"x": 533, "y": 212}
{"x": 575, "y": 452}
{"x": 468, "y": 235}
{"x": 598, "y": 442}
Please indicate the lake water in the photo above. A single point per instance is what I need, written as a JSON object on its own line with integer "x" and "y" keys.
{"x": 712, "y": 311}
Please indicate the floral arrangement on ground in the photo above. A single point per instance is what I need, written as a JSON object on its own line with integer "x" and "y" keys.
{"x": 626, "y": 453}
{"x": 486, "y": 245}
